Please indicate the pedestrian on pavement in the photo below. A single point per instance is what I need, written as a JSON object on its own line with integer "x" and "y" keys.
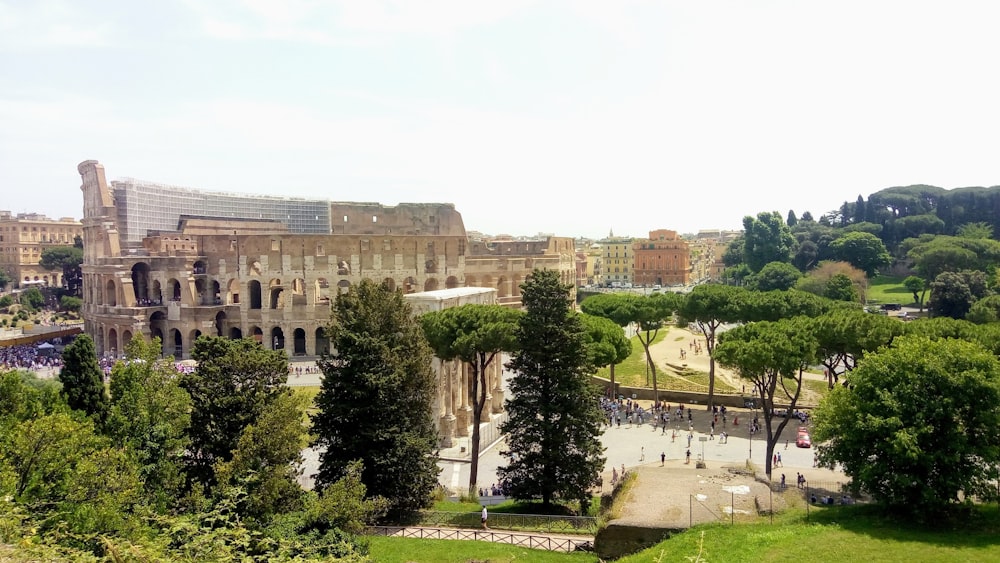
{"x": 687, "y": 458}
{"x": 484, "y": 517}
{"x": 663, "y": 458}
{"x": 642, "y": 453}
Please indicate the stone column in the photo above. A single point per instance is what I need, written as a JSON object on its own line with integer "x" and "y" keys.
{"x": 446, "y": 428}
{"x": 464, "y": 414}
{"x": 497, "y": 368}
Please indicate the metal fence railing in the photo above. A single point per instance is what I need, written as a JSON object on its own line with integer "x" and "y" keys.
{"x": 502, "y": 520}
{"x": 532, "y": 541}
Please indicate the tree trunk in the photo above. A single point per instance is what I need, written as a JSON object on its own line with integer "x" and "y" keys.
{"x": 614, "y": 392}
{"x": 478, "y": 403}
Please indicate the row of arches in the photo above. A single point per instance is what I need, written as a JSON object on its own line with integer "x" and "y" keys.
{"x": 177, "y": 342}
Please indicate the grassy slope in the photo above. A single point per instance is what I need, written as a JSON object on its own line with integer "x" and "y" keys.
{"x": 889, "y": 289}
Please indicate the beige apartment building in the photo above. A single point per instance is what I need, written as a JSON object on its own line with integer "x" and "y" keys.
{"x": 23, "y": 238}
{"x": 617, "y": 260}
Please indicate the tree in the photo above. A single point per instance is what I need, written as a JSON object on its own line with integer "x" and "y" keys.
{"x": 554, "y": 414}
{"x": 864, "y": 251}
{"x": 953, "y": 293}
{"x": 376, "y": 397}
{"x": 607, "y": 343}
{"x": 68, "y": 260}
{"x": 844, "y": 335}
{"x": 32, "y": 299}
{"x": 267, "y": 458}
{"x": 977, "y": 230}
{"x": 807, "y": 216}
{"x": 766, "y": 239}
{"x": 791, "y": 220}
{"x": 818, "y": 279}
{"x": 985, "y": 310}
{"x": 4, "y": 279}
{"x": 476, "y": 335}
{"x": 616, "y": 307}
{"x": 916, "y": 286}
{"x": 709, "y": 307}
{"x": 149, "y": 414}
{"x": 69, "y": 303}
{"x": 917, "y": 427}
{"x": 234, "y": 382}
{"x": 840, "y": 288}
{"x": 775, "y": 276}
{"x": 83, "y": 379}
{"x": 772, "y": 356}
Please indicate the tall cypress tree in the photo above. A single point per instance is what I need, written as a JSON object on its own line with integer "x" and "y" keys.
{"x": 376, "y": 397}
{"x": 82, "y": 379}
{"x": 554, "y": 415}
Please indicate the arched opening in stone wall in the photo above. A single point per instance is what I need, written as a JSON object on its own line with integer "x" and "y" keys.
{"x": 254, "y": 268}
{"x": 174, "y": 289}
{"x": 194, "y": 336}
{"x": 409, "y": 285}
{"x": 299, "y": 342}
{"x": 177, "y": 343}
{"x": 126, "y": 338}
{"x": 275, "y": 290}
{"x": 471, "y": 281}
{"x": 389, "y": 284}
{"x": 110, "y": 294}
{"x": 157, "y": 325}
{"x": 140, "y": 283}
{"x": 220, "y": 323}
{"x": 322, "y": 342}
{"x": 258, "y": 335}
{"x": 343, "y": 286}
{"x": 216, "y": 293}
{"x": 112, "y": 350}
{"x": 487, "y": 281}
{"x": 233, "y": 294}
{"x": 451, "y": 282}
{"x": 253, "y": 286}
{"x": 277, "y": 338}
{"x": 431, "y": 284}
{"x": 322, "y": 291}
{"x": 298, "y": 286}
{"x": 199, "y": 268}
{"x": 235, "y": 333}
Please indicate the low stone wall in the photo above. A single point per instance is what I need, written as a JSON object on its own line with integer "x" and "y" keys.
{"x": 675, "y": 397}
{"x": 618, "y": 540}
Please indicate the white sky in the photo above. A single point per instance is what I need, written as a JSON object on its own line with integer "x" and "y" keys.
{"x": 571, "y": 117}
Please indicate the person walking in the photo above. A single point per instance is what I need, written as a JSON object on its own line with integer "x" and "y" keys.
{"x": 485, "y": 516}
{"x": 663, "y": 458}
{"x": 687, "y": 458}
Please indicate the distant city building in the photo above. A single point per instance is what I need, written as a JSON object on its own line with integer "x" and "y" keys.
{"x": 662, "y": 259}
{"x": 617, "y": 260}
{"x": 23, "y": 238}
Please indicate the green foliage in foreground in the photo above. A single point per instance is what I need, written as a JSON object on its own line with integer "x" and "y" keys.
{"x": 834, "y": 534}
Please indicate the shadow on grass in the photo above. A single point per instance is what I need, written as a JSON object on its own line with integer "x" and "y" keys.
{"x": 962, "y": 527}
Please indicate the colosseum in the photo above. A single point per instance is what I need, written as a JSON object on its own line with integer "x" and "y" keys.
{"x": 176, "y": 263}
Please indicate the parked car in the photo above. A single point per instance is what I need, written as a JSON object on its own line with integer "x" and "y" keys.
{"x": 803, "y": 440}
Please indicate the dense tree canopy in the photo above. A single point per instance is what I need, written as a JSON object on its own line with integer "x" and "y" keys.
{"x": 917, "y": 428}
{"x": 66, "y": 259}
{"x": 376, "y": 397}
{"x": 864, "y": 251}
{"x": 83, "y": 380}
{"x": 954, "y": 293}
{"x": 766, "y": 238}
{"x": 150, "y": 414}
{"x": 775, "y": 276}
{"x": 554, "y": 416}
{"x": 234, "y": 382}
{"x": 708, "y": 307}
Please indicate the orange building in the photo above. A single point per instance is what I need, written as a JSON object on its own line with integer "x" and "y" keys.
{"x": 662, "y": 259}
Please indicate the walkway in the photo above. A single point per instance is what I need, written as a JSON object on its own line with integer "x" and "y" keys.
{"x": 549, "y": 542}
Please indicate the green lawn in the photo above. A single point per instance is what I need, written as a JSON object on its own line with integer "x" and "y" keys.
{"x": 827, "y": 534}
{"x": 632, "y": 372}
{"x": 834, "y": 534}
{"x": 889, "y": 289}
